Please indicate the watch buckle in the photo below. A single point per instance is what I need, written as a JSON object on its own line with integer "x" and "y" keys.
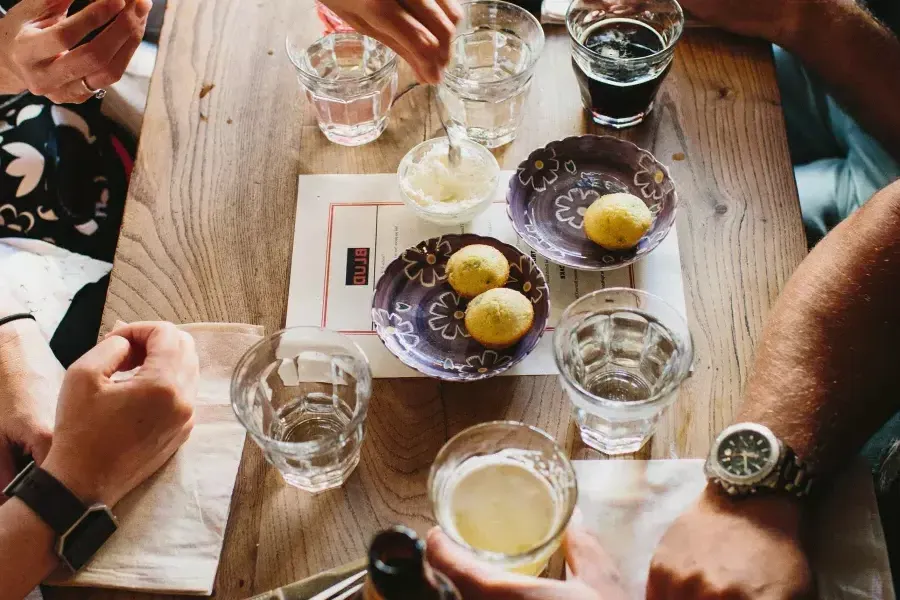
{"x": 9, "y": 490}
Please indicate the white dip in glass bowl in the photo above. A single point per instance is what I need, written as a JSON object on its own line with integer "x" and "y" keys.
{"x": 445, "y": 194}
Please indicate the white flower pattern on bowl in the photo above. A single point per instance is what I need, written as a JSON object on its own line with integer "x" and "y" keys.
{"x": 532, "y": 283}
{"x": 648, "y": 178}
{"x": 391, "y": 326}
{"x": 572, "y": 206}
{"x": 426, "y": 263}
{"x": 479, "y": 364}
{"x": 448, "y": 316}
{"x": 541, "y": 170}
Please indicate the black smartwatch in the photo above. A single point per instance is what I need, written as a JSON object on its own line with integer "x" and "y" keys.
{"x": 81, "y": 529}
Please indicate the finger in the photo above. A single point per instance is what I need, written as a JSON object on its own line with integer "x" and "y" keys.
{"x": 116, "y": 67}
{"x": 452, "y": 9}
{"x": 464, "y": 570}
{"x": 35, "y": 11}
{"x": 437, "y": 22}
{"x": 190, "y": 363}
{"x": 591, "y": 564}
{"x": 97, "y": 54}
{"x": 415, "y": 65}
{"x": 417, "y": 45}
{"x": 158, "y": 341}
{"x": 37, "y": 442}
{"x": 74, "y": 92}
{"x": 475, "y": 579}
{"x": 385, "y": 38}
{"x": 105, "y": 358}
{"x": 66, "y": 34}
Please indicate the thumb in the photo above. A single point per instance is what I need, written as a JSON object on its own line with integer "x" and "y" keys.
{"x": 457, "y": 563}
{"x": 37, "y": 442}
{"x": 590, "y": 563}
{"x": 107, "y": 357}
{"x": 476, "y": 579}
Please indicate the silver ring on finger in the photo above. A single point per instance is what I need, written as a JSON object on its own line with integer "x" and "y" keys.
{"x": 98, "y": 93}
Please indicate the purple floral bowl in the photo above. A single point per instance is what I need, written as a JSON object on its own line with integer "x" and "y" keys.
{"x": 554, "y": 186}
{"x": 420, "y": 318}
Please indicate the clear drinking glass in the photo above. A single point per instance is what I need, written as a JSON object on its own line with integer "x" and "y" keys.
{"x": 485, "y": 85}
{"x": 513, "y": 515}
{"x": 621, "y": 53}
{"x": 350, "y": 80}
{"x": 621, "y": 354}
{"x": 302, "y": 394}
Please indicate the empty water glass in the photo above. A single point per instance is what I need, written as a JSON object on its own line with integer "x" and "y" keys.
{"x": 303, "y": 394}
{"x": 485, "y": 85}
{"x": 621, "y": 354}
{"x": 350, "y": 80}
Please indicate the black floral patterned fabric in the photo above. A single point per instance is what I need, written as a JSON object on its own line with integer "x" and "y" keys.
{"x": 63, "y": 174}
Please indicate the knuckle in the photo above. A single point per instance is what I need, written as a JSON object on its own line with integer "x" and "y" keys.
{"x": 164, "y": 389}
{"x": 136, "y": 26}
{"x": 39, "y": 90}
{"x": 107, "y": 10}
{"x": 18, "y": 54}
{"x": 80, "y": 373}
{"x": 65, "y": 37}
{"x": 105, "y": 77}
{"x": 185, "y": 413}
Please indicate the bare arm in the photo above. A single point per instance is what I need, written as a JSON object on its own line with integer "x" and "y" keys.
{"x": 824, "y": 381}
{"x": 825, "y": 373}
{"x": 857, "y": 57}
{"x": 26, "y": 545}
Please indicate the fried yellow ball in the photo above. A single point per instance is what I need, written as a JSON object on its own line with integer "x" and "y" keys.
{"x": 617, "y": 221}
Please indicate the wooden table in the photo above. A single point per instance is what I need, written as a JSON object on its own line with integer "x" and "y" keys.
{"x": 210, "y": 218}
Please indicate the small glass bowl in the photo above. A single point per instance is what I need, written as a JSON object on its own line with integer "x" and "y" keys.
{"x": 449, "y": 213}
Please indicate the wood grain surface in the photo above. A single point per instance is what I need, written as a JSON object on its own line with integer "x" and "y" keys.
{"x": 208, "y": 235}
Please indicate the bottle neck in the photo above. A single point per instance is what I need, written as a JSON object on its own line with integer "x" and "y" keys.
{"x": 398, "y": 571}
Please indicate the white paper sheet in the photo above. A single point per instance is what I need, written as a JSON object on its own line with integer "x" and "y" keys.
{"x": 630, "y": 504}
{"x": 44, "y": 278}
{"x": 340, "y": 214}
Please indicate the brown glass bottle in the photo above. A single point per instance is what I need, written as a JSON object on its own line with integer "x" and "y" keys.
{"x": 398, "y": 570}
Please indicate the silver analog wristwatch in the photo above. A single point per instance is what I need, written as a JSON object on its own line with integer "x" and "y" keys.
{"x": 748, "y": 458}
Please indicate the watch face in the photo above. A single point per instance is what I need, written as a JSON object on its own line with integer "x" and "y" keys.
{"x": 745, "y": 454}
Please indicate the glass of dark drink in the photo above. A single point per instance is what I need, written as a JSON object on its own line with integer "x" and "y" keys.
{"x": 621, "y": 52}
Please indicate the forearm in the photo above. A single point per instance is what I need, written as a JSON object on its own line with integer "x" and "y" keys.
{"x": 856, "y": 57}
{"x": 824, "y": 377}
{"x": 26, "y": 545}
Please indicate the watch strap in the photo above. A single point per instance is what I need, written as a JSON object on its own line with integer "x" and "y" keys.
{"x": 795, "y": 477}
{"x": 53, "y": 502}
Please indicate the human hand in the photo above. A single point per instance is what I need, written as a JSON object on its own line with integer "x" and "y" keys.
{"x": 736, "y": 549}
{"x": 418, "y": 30}
{"x": 31, "y": 378}
{"x": 38, "y": 49}
{"x": 112, "y": 435}
{"x": 595, "y": 575}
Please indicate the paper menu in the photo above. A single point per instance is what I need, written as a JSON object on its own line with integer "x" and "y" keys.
{"x": 350, "y": 227}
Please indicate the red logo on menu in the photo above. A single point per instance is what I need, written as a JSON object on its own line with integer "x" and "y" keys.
{"x": 357, "y": 266}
